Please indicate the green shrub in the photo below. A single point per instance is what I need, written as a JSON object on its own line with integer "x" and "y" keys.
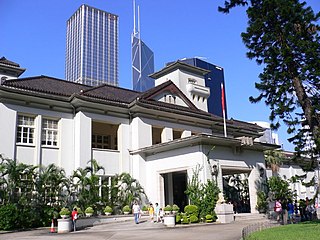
{"x": 194, "y": 219}
{"x": 209, "y": 218}
{"x": 64, "y": 211}
{"x": 8, "y": 217}
{"x": 126, "y": 208}
{"x": 178, "y": 218}
{"x": 89, "y": 210}
{"x": 175, "y": 208}
{"x": 191, "y": 210}
{"x": 144, "y": 208}
{"x": 108, "y": 209}
{"x": 185, "y": 219}
{"x": 167, "y": 208}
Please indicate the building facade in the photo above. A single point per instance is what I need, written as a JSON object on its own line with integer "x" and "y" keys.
{"x": 159, "y": 136}
{"x": 142, "y": 60}
{"x": 213, "y": 80}
{"x": 92, "y": 47}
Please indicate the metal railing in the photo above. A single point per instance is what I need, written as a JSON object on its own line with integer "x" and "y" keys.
{"x": 258, "y": 227}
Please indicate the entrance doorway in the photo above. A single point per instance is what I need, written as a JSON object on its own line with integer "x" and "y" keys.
{"x": 175, "y": 184}
{"x": 236, "y": 190}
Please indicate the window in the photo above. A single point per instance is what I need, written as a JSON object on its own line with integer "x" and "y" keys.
{"x": 25, "y": 129}
{"x": 49, "y": 132}
{"x": 102, "y": 142}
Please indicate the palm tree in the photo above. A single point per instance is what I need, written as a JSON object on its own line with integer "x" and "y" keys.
{"x": 129, "y": 189}
{"x": 16, "y": 179}
{"x": 52, "y": 183}
{"x": 274, "y": 159}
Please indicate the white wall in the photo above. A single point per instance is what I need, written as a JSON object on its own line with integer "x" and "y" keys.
{"x": 8, "y": 118}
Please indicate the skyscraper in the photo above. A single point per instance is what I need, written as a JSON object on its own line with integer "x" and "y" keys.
{"x": 142, "y": 59}
{"x": 92, "y": 47}
{"x": 213, "y": 80}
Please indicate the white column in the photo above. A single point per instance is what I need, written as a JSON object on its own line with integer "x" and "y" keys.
{"x": 186, "y": 133}
{"x": 8, "y": 123}
{"x": 37, "y": 141}
{"x": 83, "y": 129}
{"x": 252, "y": 179}
{"x": 166, "y": 135}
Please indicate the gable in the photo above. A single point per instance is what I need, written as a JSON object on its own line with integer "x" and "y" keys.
{"x": 168, "y": 92}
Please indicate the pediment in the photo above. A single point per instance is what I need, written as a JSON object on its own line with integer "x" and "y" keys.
{"x": 168, "y": 92}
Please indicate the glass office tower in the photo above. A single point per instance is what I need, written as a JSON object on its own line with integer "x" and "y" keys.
{"x": 92, "y": 47}
{"x": 142, "y": 60}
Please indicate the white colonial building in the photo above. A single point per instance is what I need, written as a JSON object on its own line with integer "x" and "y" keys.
{"x": 159, "y": 136}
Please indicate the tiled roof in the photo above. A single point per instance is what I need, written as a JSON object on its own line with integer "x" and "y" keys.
{"x": 5, "y": 61}
{"x": 47, "y": 85}
{"x": 113, "y": 93}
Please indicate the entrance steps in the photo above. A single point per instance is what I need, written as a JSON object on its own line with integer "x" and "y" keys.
{"x": 249, "y": 217}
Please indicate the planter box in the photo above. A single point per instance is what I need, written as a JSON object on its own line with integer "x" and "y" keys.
{"x": 169, "y": 220}
{"x": 224, "y": 213}
{"x": 64, "y": 225}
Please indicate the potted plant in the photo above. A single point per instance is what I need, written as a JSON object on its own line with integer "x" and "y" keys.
{"x": 126, "y": 209}
{"x": 65, "y": 212}
{"x": 175, "y": 208}
{"x": 108, "y": 210}
{"x": 89, "y": 211}
{"x": 167, "y": 209}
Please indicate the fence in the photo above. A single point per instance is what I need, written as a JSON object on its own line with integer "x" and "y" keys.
{"x": 258, "y": 227}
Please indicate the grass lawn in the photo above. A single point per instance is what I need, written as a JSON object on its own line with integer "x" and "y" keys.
{"x": 301, "y": 231}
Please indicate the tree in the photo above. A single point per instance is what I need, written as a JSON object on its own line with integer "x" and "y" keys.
{"x": 283, "y": 36}
{"x": 273, "y": 159}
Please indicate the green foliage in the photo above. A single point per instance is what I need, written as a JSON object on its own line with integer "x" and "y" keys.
{"x": 108, "y": 209}
{"x": 185, "y": 219}
{"x": 279, "y": 188}
{"x": 204, "y": 196}
{"x": 283, "y": 36}
{"x": 64, "y": 211}
{"x": 209, "y": 218}
{"x": 167, "y": 208}
{"x": 89, "y": 210}
{"x": 175, "y": 208}
{"x": 44, "y": 190}
{"x": 178, "y": 218}
{"x": 145, "y": 208}
{"x": 126, "y": 208}
{"x": 262, "y": 203}
{"x": 193, "y": 219}
{"x": 8, "y": 217}
{"x": 191, "y": 210}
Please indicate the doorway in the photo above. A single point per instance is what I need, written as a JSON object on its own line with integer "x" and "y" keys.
{"x": 175, "y": 185}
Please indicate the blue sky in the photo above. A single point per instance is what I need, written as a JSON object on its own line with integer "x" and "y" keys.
{"x": 33, "y": 34}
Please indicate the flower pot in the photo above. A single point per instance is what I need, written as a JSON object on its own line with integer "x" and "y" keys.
{"x": 126, "y": 213}
{"x": 89, "y": 214}
{"x": 167, "y": 212}
{"x": 107, "y": 213}
{"x": 64, "y": 216}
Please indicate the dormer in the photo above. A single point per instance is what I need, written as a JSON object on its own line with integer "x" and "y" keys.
{"x": 189, "y": 79}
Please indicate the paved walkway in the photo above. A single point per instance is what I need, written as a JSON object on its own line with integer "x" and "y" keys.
{"x": 125, "y": 230}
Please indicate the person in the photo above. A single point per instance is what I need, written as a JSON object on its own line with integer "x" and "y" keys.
{"x": 157, "y": 213}
{"x": 290, "y": 211}
{"x": 161, "y": 215}
{"x": 136, "y": 212}
{"x": 74, "y": 217}
{"x": 310, "y": 210}
{"x": 278, "y": 209}
{"x": 151, "y": 212}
